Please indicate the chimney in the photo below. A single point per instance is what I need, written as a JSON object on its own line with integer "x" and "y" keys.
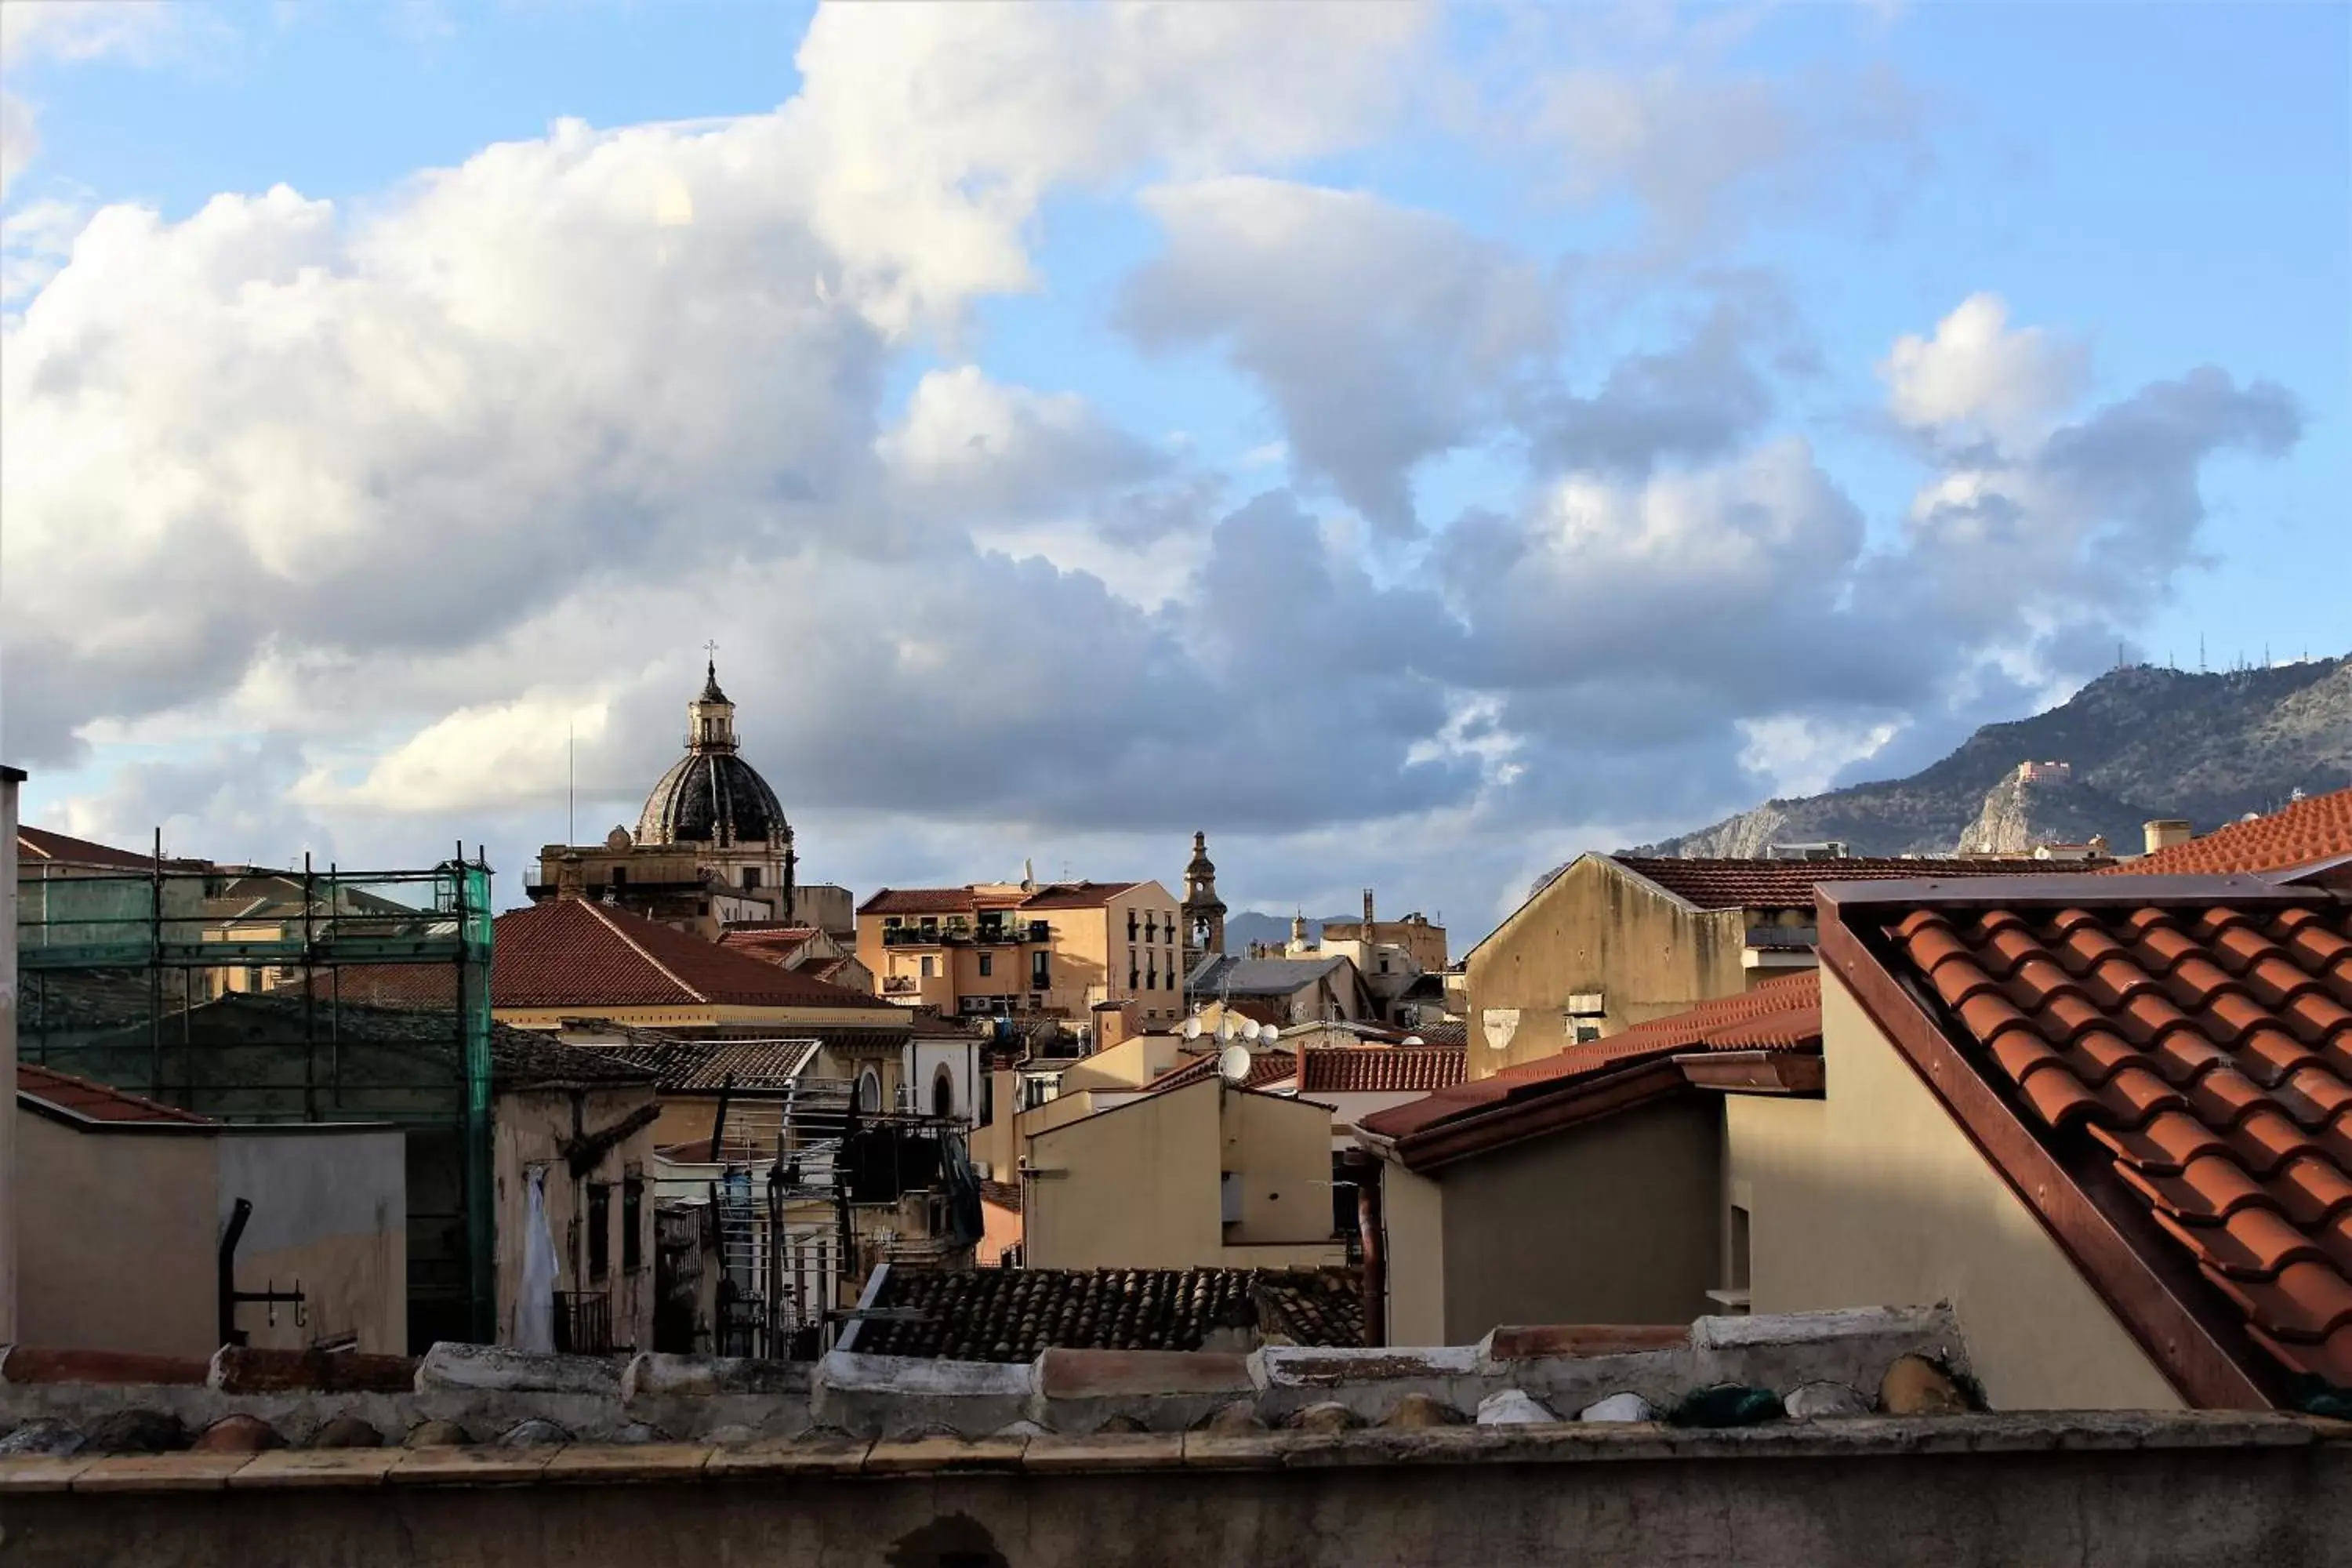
{"x": 570, "y": 881}
{"x": 1368, "y": 915}
{"x": 2164, "y": 833}
{"x": 1114, "y": 1022}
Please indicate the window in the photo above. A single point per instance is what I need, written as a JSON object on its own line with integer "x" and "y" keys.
{"x": 1171, "y": 957}
{"x": 928, "y": 967}
{"x": 987, "y": 964}
{"x": 942, "y": 1092}
{"x": 1131, "y": 925}
{"x": 869, "y": 1091}
{"x": 600, "y": 1231}
{"x": 1040, "y": 971}
{"x": 1133, "y": 974}
{"x": 1150, "y": 929}
{"x": 1384, "y": 963}
{"x": 619, "y": 876}
{"x": 633, "y": 1214}
{"x": 751, "y": 876}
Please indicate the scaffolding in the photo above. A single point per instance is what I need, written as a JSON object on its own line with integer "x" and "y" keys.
{"x": 220, "y": 989}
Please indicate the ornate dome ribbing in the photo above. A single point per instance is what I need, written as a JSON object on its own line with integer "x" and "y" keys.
{"x": 711, "y": 795}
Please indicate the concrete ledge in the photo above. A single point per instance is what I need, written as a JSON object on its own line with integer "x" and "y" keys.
{"x": 487, "y": 1369}
{"x": 35, "y": 1365}
{"x": 1369, "y": 1382}
{"x": 653, "y": 1375}
{"x": 893, "y": 1395}
{"x": 239, "y": 1369}
{"x": 1078, "y": 1390}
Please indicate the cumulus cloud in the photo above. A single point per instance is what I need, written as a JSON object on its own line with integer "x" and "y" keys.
{"x": 1978, "y": 379}
{"x": 1383, "y": 335}
{"x": 398, "y": 496}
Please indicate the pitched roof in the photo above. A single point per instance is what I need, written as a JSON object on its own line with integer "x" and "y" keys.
{"x": 571, "y": 953}
{"x": 2318, "y": 827}
{"x": 1781, "y": 1015}
{"x": 687, "y": 1067}
{"x": 1011, "y": 1314}
{"x": 1222, "y": 974}
{"x": 1265, "y": 1068}
{"x": 1728, "y": 884}
{"x": 2180, "y": 1062}
{"x": 971, "y": 901}
{"x": 38, "y": 844}
{"x": 1076, "y": 895}
{"x": 79, "y": 1097}
{"x": 1381, "y": 1069}
{"x": 920, "y": 902}
{"x": 768, "y": 943}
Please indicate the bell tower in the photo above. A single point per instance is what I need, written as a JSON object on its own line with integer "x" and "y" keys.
{"x": 711, "y": 718}
{"x": 1204, "y": 911}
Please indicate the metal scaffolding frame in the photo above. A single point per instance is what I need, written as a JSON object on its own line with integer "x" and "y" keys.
{"x": 218, "y": 989}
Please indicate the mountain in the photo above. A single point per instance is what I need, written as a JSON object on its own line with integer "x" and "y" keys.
{"x": 1252, "y": 925}
{"x": 2139, "y": 743}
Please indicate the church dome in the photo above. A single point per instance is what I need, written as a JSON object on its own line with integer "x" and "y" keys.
{"x": 711, "y": 795}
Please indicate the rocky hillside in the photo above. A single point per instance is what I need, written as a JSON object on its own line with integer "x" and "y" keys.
{"x": 2141, "y": 742}
{"x": 2025, "y": 809}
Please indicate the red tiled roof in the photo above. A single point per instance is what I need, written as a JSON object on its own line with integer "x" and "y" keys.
{"x": 38, "y": 844}
{"x": 768, "y": 944}
{"x": 96, "y": 1102}
{"x": 569, "y": 953}
{"x": 2191, "y": 1058}
{"x": 969, "y": 901}
{"x": 1076, "y": 895}
{"x": 2317, "y": 828}
{"x": 1381, "y": 1069}
{"x": 922, "y": 902}
{"x": 1782, "y": 1015}
{"x": 1728, "y": 884}
{"x": 1265, "y": 1068}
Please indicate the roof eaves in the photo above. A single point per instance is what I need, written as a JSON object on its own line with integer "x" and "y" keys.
{"x": 1492, "y": 1128}
{"x": 2180, "y": 1341}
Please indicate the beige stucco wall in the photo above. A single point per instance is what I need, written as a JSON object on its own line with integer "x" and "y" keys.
{"x": 1140, "y": 1186}
{"x": 526, "y": 1131}
{"x": 1412, "y": 1219}
{"x": 1130, "y": 1064}
{"x": 1280, "y": 1150}
{"x": 1597, "y": 929}
{"x": 1874, "y": 1195}
{"x": 118, "y": 1235}
{"x": 1131, "y": 1188}
{"x": 330, "y": 1211}
{"x": 1087, "y": 956}
{"x": 1612, "y": 1222}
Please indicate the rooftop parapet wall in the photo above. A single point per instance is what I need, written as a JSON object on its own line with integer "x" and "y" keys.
{"x": 487, "y": 1392}
{"x": 2104, "y": 1490}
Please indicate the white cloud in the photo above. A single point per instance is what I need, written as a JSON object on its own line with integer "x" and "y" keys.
{"x": 990, "y": 449}
{"x": 1977, "y": 378}
{"x": 1385, "y": 335}
{"x": 490, "y": 758}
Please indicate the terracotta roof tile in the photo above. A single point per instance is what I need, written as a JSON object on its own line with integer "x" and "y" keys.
{"x": 1381, "y": 1069}
{"x": 2317, "y": 828}
{"x": 768, "y": 943}
{"x": 571, "y": 953}
{"x": 1265, "y": 1068}
{"x": 37, "y": 845}
{"x": 1726, "y": 884}
{"x": 2207, "y": 1050}
{"x": 1011, "y": 1314}
{"x": 96, "y": 1102}
{"x": 1781, "y": 1015}
{"x": 922, "y": 902}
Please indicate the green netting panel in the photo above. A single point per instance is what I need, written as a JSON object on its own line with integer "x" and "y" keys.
{"x": 296, "y": 996}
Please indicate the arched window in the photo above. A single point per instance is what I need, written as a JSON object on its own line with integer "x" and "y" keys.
{"x": 869, "y": 1091}
{"x": 943, "y": 1092}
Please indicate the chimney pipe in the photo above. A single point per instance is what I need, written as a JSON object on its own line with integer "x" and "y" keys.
{"x": 2164, "y": 833}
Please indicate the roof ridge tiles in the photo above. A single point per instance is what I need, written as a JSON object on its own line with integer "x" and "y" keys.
{"x": 639, "y": 949}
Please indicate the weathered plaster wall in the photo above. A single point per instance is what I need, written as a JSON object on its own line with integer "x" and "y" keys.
{"x": 1874, "y": 1194}
{"x": 1612, "y": 1222}
{"x": 1596, "y": 929}
{"x": 119, "y": 1234}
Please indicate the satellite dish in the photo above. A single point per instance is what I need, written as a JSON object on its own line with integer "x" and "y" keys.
{"x": 1191, "y": 1028}
{"x": 1414, "y": 1040}
{"x": 1249, "y": 1029}
{"x": 1233, "y": 1064}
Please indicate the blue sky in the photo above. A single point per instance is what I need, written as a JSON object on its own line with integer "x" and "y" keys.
{"x": 1224, "y": 309}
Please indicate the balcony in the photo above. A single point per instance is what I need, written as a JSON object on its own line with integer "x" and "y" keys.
{"x": 900, "y": 985}
{"x": 583, "y": 1322}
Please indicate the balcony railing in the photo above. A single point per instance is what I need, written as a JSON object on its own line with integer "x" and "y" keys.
{"x": 985, "y": 935}
{"x": 900, "y": 985}
{"x": 583, "y": 1322}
